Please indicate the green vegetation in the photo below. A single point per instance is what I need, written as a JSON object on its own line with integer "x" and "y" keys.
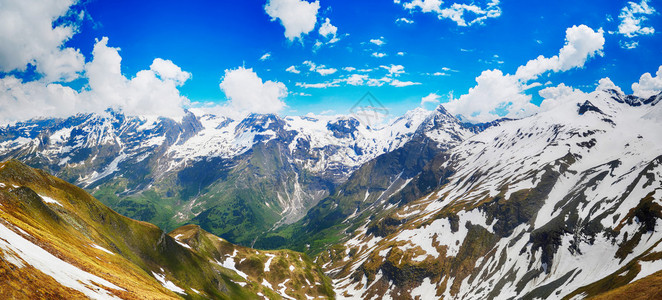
{"x": 139, "y": 249}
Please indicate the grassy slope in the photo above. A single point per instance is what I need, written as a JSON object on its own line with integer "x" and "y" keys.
{"x": 67, "y": 231}
{"x": 237, "y": 200}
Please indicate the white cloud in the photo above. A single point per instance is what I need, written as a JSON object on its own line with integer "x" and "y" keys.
{"x": 582, "y": 43}
{"x": 297, "y": 16}
{"x": 328, "y": 32}
{"x": 247, "y": 93}
{"x": 607, "y": 84}
{"x": 380, "y": 41}
{"x": 457, "y": 12}
{"x": 398, "y": 83}
{"x": 553, "y": 96}
{"x": 494, "y": 92}
{"x": 431, "y": 98}
{"x": 356, "y": 79}
{"x": 632, "y": 17}
{"x": 321, "y": 69}
{"x": 310, "y": 64}
{"x": 401, "y": 53}
{"x": 327, "y": 29}
{"x": 378, "y": 54}
{"x": 360, "y": 79}
{"x": 265, "y": 56}
{"x": 425, "y": 5}
{"x": 167, "y": 70}
{"x": 648, "y": 85}
{"x": 394, "y": 70}
{"x": 628, "y": 45}
{"x": 27, "y": 36}
{"x": 497, "y": 94}
{"x": 321, "y": 85}
{"x": 150, "y": 92}
{"x": 378, "y": 81}
{"x": 404, "y": 21}
{"x": 292, "y": 69}
{"x": 25, "y": 100}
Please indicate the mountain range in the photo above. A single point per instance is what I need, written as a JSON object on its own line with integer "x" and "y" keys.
{"x": 561, "y": 204}
{"x": 251, "y": 175}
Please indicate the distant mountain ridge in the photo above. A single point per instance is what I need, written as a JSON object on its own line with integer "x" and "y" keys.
{"x": 227, "y": 175}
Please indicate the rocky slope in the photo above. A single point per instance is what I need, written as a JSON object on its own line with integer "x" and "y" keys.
{"x": 369, "y": 190}
{"x": 229, "y": 176}
{"x": 58, "y": 242}
{"x": 562, "y": 204}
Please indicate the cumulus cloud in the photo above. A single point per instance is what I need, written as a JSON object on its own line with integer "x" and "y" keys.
{"x": 246, "y": 92}
{"x": 431, "y": 98}
{"x": 581, "y": 43}
{"x": 25, "y": 100}
{"x": 292, "y": 69}
{"x": 461, "y": 14}
{"x": 356, "y": 79}
{"x": 149, "y": 92}
{"x": 320, "y": 69}
{"x": 394, "y": 70}
{"x": 607, "y": 84}
{"x": 328, "y": 34}
{"x": 632, "y": 16}
{"x": 380, "y": 41}
{"x": 167, "y": 70}
{"x": 328, "y": 30}
{"x": 648, "y": 85}
{"x": 27, "y": 36}
{"x": 378, "y": 54}
{"x": 493, "y": 94}
{"x": 297, "y": 16}
{"x": 553, "y": 96}
{"x": 497, "y": 94}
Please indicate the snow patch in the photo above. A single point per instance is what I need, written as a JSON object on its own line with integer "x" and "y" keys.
{"x": 168, "y": 284}
{"x": 63, "y": 272}
{"x": 49, "y": 200}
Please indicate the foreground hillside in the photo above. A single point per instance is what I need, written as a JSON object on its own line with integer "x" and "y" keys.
{"x": 58, "y": 242}
{"x": 562, "y": 204}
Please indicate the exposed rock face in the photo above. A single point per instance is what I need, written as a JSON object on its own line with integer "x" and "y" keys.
{"x": 561, "y": 204}
{"x": 235, "y": 178}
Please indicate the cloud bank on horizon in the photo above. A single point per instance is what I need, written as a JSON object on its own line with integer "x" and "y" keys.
{"x": 43, "y": 75}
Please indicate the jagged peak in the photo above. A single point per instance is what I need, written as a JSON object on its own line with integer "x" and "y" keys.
{"x": 586, "y": 107}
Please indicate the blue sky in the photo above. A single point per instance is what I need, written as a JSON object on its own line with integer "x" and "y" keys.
{"x": 428, "y": 53}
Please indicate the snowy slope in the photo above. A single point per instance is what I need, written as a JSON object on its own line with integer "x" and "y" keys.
{"x": 538, "y": 207}
{"x": 58, "y": 242}
{"x": 172, "y": 171}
